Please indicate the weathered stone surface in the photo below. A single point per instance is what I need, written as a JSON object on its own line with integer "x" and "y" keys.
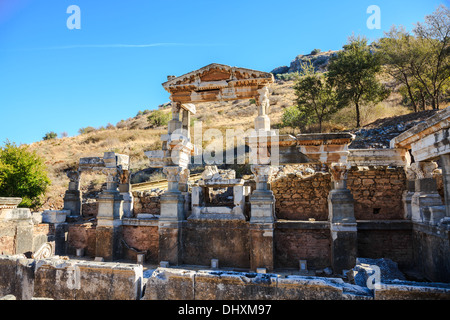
{"x": 408, "y": 290}
{"x": 217, "y": 82}
{"x": 366, "y": 268}
{"x": 55, "y": 216}
{"x": 170, "y": 284}
{"x": 17, "y": 276}
{"x": 218, "y": 285}
{"x": 83, "y": 280}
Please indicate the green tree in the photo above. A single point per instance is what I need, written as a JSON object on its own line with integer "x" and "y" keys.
{"x": 316, "y": 99}
{"x": 50, "y": 135}
{"x": 159, "y": 118}
{"x": 352, "y": 72}
{"x": 396, "y": 53}
{"x": 432, "y": 67}
{"x": 22, "y": 174}
{"x": 292, "y": 117}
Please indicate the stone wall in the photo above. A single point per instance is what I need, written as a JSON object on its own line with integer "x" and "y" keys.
{"x": 141, "y": 239}
{"x": 386, "y": 239}
{"x": 180, "y": 284}
{"x": 298, "y": 198}
{"x": 227, "y": 241}
{"x": 377, "y": 193}
{"x": 296, "y": 241}
{"x": 81, "y": 236}
{"x": 432, "y": 252}
{"x": 63, "y": 279}
{"x": 17, "y": 238}
{"x": 146, "y": 202}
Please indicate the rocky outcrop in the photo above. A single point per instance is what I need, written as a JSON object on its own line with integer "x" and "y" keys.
{"x": 319, "y": 61}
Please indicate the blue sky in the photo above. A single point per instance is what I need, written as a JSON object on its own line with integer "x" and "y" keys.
{"x": 56, "y": 79}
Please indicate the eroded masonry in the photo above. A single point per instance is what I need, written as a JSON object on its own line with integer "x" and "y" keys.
{"x": 319, "y": 224}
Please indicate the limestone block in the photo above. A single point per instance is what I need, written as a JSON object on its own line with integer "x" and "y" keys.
{"x": 55, "y": 216}
{"x": 170, "y": 284}
{"x": 197, "y": 196}
{"x": 409, "y": 290}
{"x": 18, "y": 214}
{"x": 17, "y": 276}
{"x": 262, "y": 207}
{"x": 37, "y": 217}
{"x": 172, "y": 206}
{"x": 228, "y": 285}
{"x": 420, "y": 201}
{"x": 262, "y": 122}
{"x": 309, "y": 288}
{"x": 86, "y": 280}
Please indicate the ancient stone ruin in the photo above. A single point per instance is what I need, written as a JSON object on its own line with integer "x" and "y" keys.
{"x": 319, "y": 221}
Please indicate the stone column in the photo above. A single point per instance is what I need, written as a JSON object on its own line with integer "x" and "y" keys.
{"x": 262, "y": 121}
{"x": 343, "y": 226}
{"x": 125, "y": 192}
{"x": 409, "y": 192}
{"x": 426, "y": 203}
{"x": 109, "y": 223}
{"x": 186, "y": 123}
{"x": 262, "y": 220}
{"x": 72, "y": 197}
{"x": 171, "y": 218}
{"x": 175, "y": 123}
{"x": 445, "y": 162}
{"x": 183, "y": 186}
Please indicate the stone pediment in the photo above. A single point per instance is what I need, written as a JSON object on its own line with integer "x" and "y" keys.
{"x": 217, "y": 82}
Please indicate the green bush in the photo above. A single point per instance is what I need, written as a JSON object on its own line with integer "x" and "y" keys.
{"x": 315, "y": 51}
{"x": 291, "y": 117}
{"x": 86, "y": 130}
{"x": 22, "y": 174}
{"x": 50, "y": 135}
{"x": 159, "y": 118}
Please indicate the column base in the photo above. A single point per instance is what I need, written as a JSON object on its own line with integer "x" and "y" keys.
{"x": 262, "y": 206}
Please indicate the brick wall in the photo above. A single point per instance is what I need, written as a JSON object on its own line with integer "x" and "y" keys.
{"x": 227, "y": 241}
{"x": 389, "y": 242}
{"x": 82, "y": 236}
{"x": 295, "y": 241}
{"x": 141, "y": 239}
{"x": 377, "y": 193}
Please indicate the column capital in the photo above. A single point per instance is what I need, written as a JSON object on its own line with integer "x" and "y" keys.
{"x": 262, "y": 175}
{"x": 423, "y": 169}
{"x": 74, "y": 176}
{"x": 172, "y": 173}
{"x": 339, "y": 173}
